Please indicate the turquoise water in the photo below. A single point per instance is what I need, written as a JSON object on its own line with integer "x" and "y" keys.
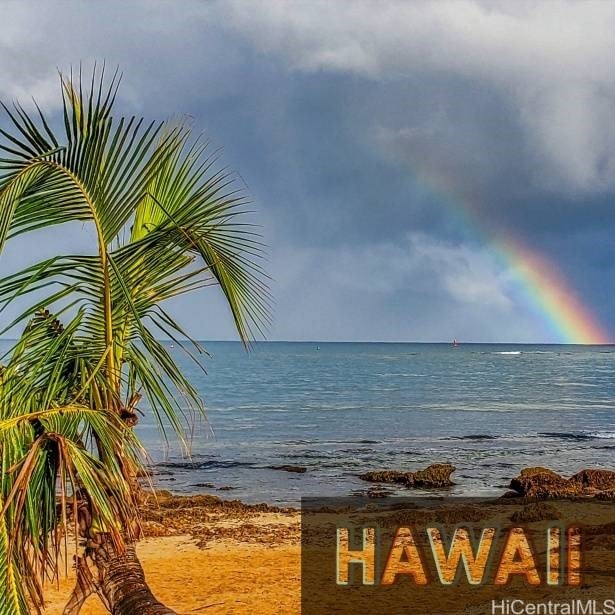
{"x": 340, "y": 409}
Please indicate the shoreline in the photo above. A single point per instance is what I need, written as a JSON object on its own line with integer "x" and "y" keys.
{"x": 205, "y": 553}
{"x": 283, "y": 486}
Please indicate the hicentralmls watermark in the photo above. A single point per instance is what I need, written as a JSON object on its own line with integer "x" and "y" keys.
{"x": 433, "y": 555}
{"x": 570, "y": 607}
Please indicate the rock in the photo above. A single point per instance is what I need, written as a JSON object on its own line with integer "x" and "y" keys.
{"x": 150, "y": 471}
{"x": 543, "y": 483}
{"x": 600, "y": 480}
{"x": 540, "y": 483}
{"x": 385, "y": 476}
{"x": 377, "y": 493}
{"x": 509, "y": 495}
{"x": 539, "y": 511}
{"x": 435, "y": 475}
{"x": 289, "y": 468}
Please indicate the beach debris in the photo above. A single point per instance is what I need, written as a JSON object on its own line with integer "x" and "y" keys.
{"x": 207, "y": 518}
{"x": 435, "y": 475}
{"x": 543, "y": 483}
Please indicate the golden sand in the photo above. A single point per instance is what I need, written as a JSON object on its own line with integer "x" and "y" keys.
{"x": 228, "y": 575}
{"x": 205, "y": 555}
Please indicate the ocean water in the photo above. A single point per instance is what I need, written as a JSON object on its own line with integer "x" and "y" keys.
{"x": 340, "y": 409}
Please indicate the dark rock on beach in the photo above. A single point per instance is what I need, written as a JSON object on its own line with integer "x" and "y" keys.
{"x": 150, "y": 471}
{"x": 540, "y": 483}
{"x": 289, "y": 468}
{"x": 385, "y": 476}
{"x": 543, "y": 483}
{"x": 377, "y": 492}
{"x": 435, "y": 475}
{"x": 510, "y": 495}
{"x": 538, "y": 511}
{"x": 373, "y": 492}
{"x": 595, "y": 480}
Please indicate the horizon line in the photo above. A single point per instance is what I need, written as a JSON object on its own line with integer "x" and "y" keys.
{"x": 315, "y": 341}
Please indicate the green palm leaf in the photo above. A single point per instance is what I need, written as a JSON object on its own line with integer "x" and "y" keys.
{"x": 167, "y": 222}
{"x": 12, "y": 599}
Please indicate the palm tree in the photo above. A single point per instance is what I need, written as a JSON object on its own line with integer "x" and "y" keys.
{"x": 167, "y": 222}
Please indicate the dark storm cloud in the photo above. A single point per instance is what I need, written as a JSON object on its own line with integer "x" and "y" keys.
{"x": 363, "y": 132}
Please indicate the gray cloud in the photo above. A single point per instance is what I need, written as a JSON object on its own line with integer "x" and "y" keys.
{"x": 385, "y": 145}
{"x": 553, "y": 60}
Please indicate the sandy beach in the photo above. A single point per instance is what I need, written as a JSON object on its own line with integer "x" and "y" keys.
{"x": 216, "y": 557}
{"x": 203, "y": 554}
{"x": 229, "y": 577}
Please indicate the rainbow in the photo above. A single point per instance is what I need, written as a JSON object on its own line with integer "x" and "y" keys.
{"x": 545, "y": 290}
{"x": 552, "y": 297}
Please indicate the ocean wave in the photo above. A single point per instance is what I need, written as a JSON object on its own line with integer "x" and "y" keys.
{"x": 478, "y": 436}
{"x": 327, "y": 443}
{"x": 574, "y": 384}
{"x": 295, "y": 442}
{"x": 565, "y": 435}
{"x": 604, "y": 435}
{"x": 513, "y": 352}
{"x": 401, "y": 375}
{"x": 204, "y": 465}
{"x": 579, "y": 435}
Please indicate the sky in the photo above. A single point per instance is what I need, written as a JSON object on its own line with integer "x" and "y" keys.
{"x": 389, "y": 149}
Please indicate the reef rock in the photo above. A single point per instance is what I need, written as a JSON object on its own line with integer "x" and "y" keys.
{"x": 540, "y": 483}
{"x": 289, "y": 468}
{"x": 598, "y": 480}
{"x": 435, "y": 475}
{"x": 543, "y": 483}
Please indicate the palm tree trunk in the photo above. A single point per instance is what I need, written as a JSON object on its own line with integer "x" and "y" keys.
{"x": 120, "y": 583}
{"x": 118, "y": 579}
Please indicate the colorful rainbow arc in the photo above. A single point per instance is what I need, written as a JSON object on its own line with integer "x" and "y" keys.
{"x": 561, "y": 307}
{"x": 546, "y": 291}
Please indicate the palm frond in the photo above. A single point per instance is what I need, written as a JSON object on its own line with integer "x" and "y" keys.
{"x": 167, "y": 222}
{"x": 12, "y": 598}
